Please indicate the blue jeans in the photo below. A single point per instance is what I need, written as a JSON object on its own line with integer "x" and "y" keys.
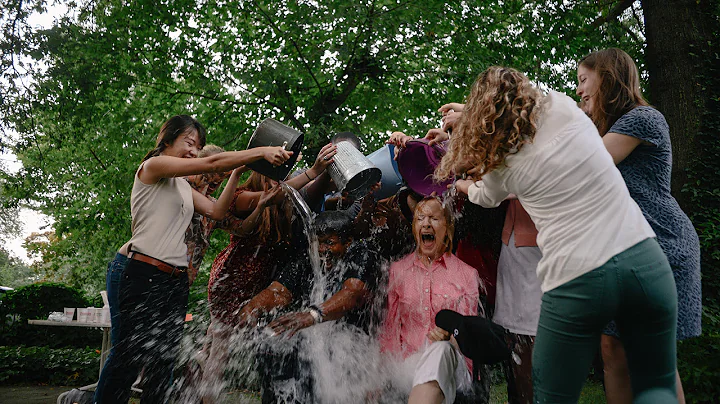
{"x": 637, "y": 289}
{"x": 152, "y": 313}
{"x": 112, "y": 285}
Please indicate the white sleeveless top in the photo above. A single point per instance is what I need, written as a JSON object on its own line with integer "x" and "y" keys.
{"x": 161, "y": 213}
{"x": 567, "y": 182}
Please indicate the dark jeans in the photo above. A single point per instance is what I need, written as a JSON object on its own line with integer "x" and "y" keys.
{"x": 152, "y": 314}
{"x": 637, "y": 289}
{"x": 112, "y": 285}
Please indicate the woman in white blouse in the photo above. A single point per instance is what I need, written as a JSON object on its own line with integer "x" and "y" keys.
{"x": 600, "y": 258}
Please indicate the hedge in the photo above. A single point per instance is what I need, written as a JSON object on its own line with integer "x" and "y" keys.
{"x": 64, "y": 366}
{"x": 36, "y": 301}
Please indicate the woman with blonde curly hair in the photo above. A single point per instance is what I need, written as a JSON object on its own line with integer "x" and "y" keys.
{"x": 600, "y": 257}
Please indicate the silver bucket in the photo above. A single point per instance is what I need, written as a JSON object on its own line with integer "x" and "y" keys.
{"x": 352, "y": 172}
{"x": 273, "y": 133}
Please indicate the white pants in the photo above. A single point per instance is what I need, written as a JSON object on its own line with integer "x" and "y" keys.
{"x": 439, "y": 362}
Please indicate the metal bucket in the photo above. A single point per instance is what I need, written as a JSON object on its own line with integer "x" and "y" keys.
{"x": 352, "y": 172}
{"x": 383, "y": 159}
{"x": 273, "y": 133}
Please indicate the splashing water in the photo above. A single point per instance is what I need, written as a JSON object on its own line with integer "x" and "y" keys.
{"x": 343, "y": 362}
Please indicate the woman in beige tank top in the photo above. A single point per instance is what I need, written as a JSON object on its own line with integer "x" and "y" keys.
{"x": 154, "y": 286}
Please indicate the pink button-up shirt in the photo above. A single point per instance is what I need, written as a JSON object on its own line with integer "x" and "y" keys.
{"x": 417, "y": 293}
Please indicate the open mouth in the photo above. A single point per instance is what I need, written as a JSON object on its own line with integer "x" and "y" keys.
{"x": 428, "y": 240}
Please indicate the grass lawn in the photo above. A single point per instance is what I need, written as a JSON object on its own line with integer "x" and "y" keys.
{"x": 592, "y": 393}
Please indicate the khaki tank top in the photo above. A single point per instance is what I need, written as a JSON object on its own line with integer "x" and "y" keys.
{"x": 161, "y": 213}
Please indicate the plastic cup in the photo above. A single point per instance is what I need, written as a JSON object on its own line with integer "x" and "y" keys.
{"x": 69, "y": 313}
{"x": 83, "y": 315}
{"x": 96, "y": 315}
{"x": 105, "y": 319}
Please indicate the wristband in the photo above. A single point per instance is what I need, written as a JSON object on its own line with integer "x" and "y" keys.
{"x": 306, "y": 174}
{"x": 316, "y": 313}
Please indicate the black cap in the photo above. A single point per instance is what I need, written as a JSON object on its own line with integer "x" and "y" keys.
{"x": 478, "y": 338}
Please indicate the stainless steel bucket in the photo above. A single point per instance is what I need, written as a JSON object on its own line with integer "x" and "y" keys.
{"x": 273, "y": 133}
{"x": 352, "y": 172}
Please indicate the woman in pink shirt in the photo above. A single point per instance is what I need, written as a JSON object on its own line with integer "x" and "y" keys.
{"x": 420, "y": 285}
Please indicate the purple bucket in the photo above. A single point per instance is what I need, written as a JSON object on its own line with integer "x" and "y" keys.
{"x": 417, "y": 162}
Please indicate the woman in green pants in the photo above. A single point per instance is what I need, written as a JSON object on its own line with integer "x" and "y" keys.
{"x": 600, "y": 257}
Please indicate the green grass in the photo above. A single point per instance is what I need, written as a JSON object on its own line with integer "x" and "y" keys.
{"x": 592, "y": 393}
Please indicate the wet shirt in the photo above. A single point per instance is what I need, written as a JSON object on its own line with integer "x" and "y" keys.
{"x": 360, "y": 262}
{"x": 568, "y": 183}
{"x": 417, "y": 293}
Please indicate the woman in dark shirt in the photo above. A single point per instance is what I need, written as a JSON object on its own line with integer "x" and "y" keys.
{"x": 638, "y": 138}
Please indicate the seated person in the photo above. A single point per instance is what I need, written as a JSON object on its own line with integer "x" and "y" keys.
{"x": 351, "y": 270}
{"x": 385, "y": 223}
{"x": 420, "y": 285}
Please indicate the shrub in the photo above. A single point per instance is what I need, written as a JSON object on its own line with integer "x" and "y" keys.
{"x": 36, "y": 301}
{"x": 697, "y": 360}
{"x": 66, "y": 366}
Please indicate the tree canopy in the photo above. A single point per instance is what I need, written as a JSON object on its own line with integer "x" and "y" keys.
{"x": 83, "y": 99}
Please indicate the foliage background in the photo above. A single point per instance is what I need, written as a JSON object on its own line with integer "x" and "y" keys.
{"x": 83, "y": 100}
{"x": 86, "y": 97}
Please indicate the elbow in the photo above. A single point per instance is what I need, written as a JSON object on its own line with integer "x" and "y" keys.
{"x": 216, "y": 215}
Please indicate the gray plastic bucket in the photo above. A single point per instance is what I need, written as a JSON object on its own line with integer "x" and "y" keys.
{"x": 273, "y": 133}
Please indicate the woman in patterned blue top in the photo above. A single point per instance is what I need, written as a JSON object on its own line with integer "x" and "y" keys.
{"x": 638, "y": 138}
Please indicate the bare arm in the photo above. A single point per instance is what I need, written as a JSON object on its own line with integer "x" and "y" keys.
{"x": 620, "y": 146}
{"x": 352, "y": 294}
{"x": 322, "y": 161}
{"x": 274, "y": 296}
{"x": 264, "y": 199}
{"x": 167, "y": 166}
{"x": 217, "y": 210}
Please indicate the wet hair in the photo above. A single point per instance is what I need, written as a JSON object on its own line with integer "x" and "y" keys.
{"x": 500, "y": 116}
{"x": 348, "y": 137}
{"x": 449, "y": 220}
{"x": 338, "y": 222}
{"x": 276, "y": 220}
{"x": 172, "y": 129}
{"x": 210, "y": 150}
{"x": 619, "y": 88}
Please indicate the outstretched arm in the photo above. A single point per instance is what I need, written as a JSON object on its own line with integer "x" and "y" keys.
{"x": 218, "y": 209}
{"x": 322, "y": 161}
{"x": 167, "y": 166}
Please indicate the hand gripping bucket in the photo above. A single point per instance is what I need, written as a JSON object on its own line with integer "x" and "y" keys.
{"x": 383, "y": 159}
{"x": 272, "y": 133}
{"x": 351, "y": 171}
{"x": 417, "y": 163}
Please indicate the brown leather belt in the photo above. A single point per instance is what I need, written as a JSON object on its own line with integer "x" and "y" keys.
{"x": 163, "y": 266}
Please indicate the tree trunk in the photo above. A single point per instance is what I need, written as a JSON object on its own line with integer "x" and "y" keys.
{"x": 674, "y": 30}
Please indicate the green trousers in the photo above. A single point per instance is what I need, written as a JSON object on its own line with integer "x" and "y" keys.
{"x": 635, "y": 288}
